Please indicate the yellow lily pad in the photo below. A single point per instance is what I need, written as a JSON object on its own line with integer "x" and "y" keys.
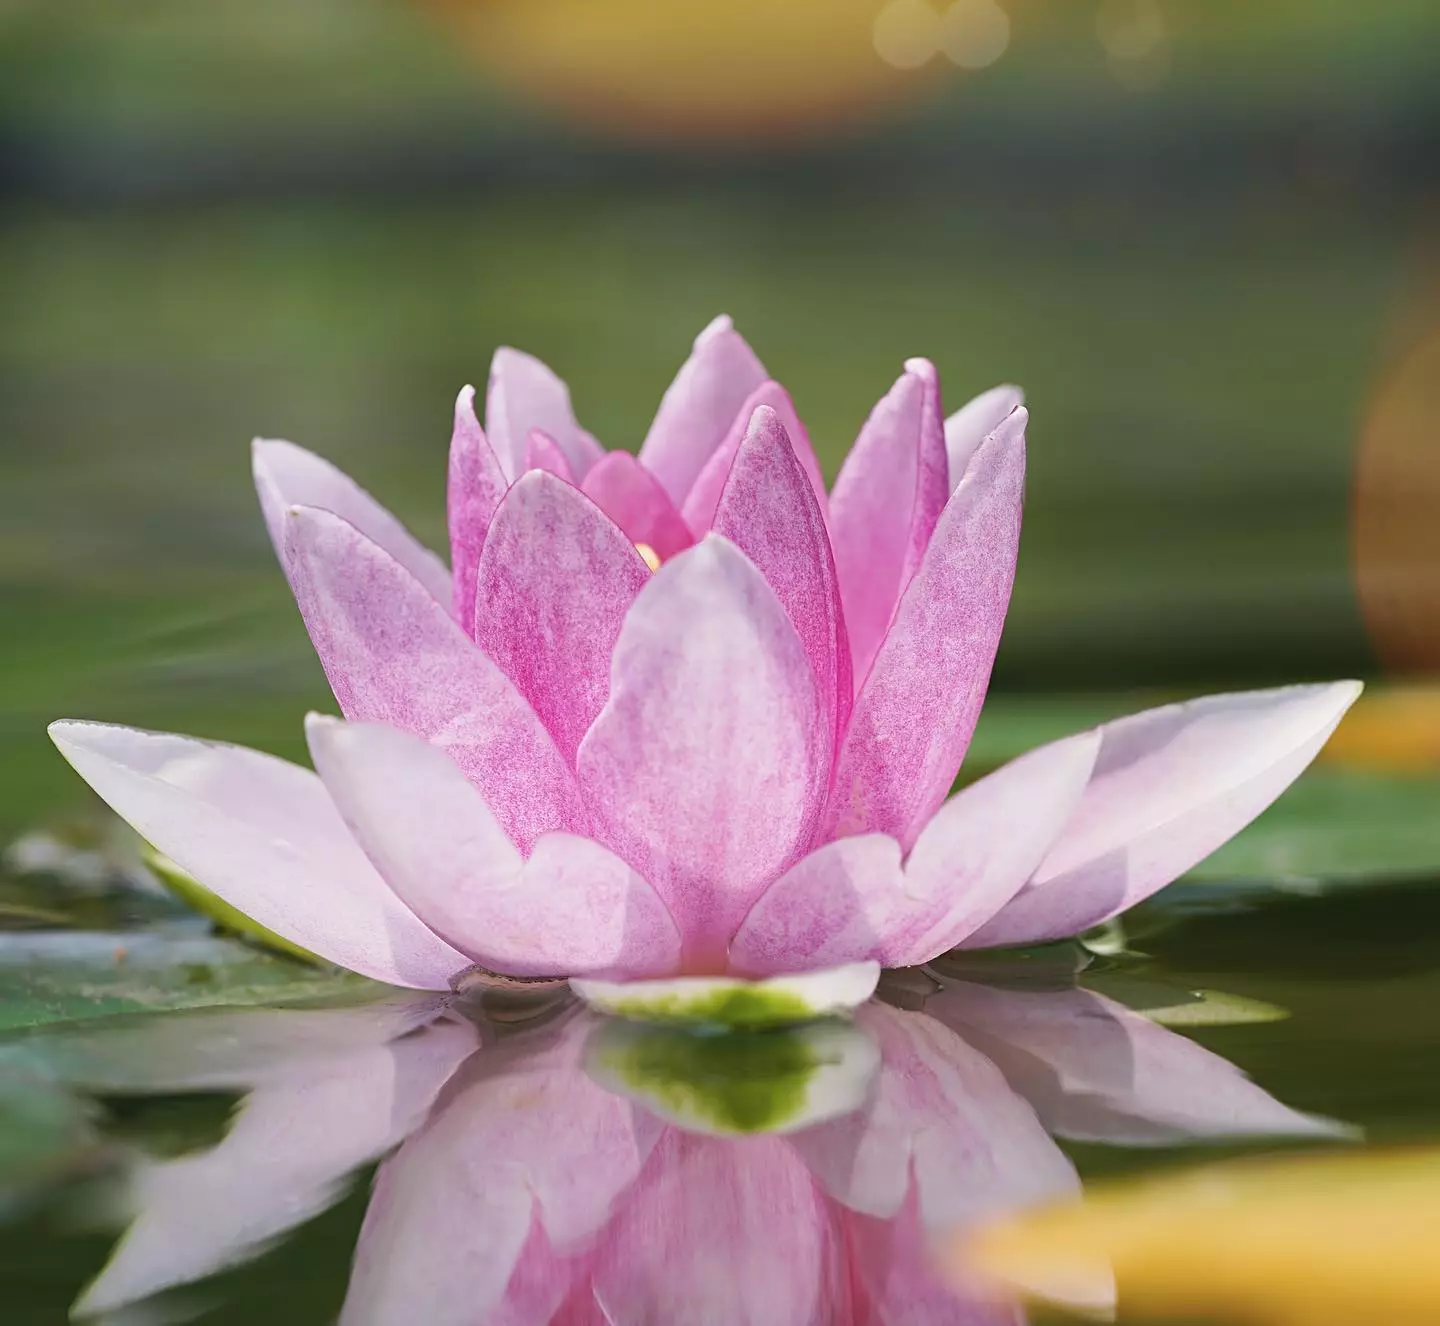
{"x": 1316, "y": 1240}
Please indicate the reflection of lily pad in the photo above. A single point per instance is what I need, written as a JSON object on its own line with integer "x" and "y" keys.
{"x": 43, "y": 1131}
{"x": 63, "y": 975}
{"x": 743, "y": 1082}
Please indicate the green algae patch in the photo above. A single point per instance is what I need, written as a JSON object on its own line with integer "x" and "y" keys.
{"x": 740, "y": 1008}
{"x": 230, "y": 920}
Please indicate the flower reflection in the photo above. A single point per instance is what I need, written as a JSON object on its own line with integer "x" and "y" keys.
{"x": 572, "y": 1170}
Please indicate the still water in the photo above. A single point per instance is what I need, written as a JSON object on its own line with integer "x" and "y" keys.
{"x": 539, "y": 1164}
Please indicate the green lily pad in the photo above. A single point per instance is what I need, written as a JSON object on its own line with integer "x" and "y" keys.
{"x": 44, "y": 1131}
{"x": 739, "y": 1083}
{"x": 59, "y": 976}
{"x": 1338, "y": 826}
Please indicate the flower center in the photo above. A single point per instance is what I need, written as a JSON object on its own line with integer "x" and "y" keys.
{"x": 652, "y": 558}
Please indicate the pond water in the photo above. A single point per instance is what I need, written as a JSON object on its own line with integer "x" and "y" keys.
{"x": 218, "y": 1164}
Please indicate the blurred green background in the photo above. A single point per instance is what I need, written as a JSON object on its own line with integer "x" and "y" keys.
{"x": 1198, "y": 233}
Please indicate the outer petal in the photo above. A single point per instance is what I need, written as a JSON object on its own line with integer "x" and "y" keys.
{"x": 555, "y": 582}
{"x": 700, "y": 406}
{"x": 916, "y": 710}
{"x": 394, "y": 656}
{"x": 525, "y": 394}
{"x": 287, "y": 475}
{"x": 292, "y": 1146}
{"x": 476, "y": 485}
{"x": 264, "y": 835}
{"x": 851, "y": 900}
{"x": 769, "y": 512}
{"x": 704, "y": 494}
{"x": 729, "y": 1001}
{"x": 1098, "y": 1072}
{"x": 973, "y": 422}
{"x": 1170, "y": 785}
{"x": 706, "y": 767}
{"x": 944, "y": 1116}
{"x": 542, "y": 452}
{"x": 888, "y": 496}
{"x": 572, "y": 907}
{"x": 630, "y": 495}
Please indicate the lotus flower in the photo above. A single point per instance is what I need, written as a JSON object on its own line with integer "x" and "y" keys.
{"x": 559, "y": 1173}
{"x": 682, "y": 725}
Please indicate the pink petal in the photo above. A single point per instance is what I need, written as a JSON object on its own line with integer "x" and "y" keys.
{"x": 888, "y": 496}
{"x": 525, "y": 394}
{"x": 986, "y": 841}
{"x": 916, "y": 710}
{"x": 706, "y": 766}
{"x": 475, "y": 488}
{"x": 700, "y": 406}
{"x": 944, "y": 1114}
{"x": 973, "y": 422}
{"x": 542, "y": 452}
{"x": 769, "y": 512}
{"x": 704, "y": 494}
{"x": 522, "y": 1141}
{"x": 289, "y": 1152}
{"x": 630, "y": 495}
{"x": 287, "y": 475}
{"x": 1170, "y": 786}
{"x": 1097, "y": 1072}
{"x": 393, "y": 655}
{"x": 264, "y": 836}
{"x": 851, "y": 900}
{"x": 555, "y": 582}
{"x": 572, "y": 908}
{"x": 844, "y": 902}
{"x": 724, "y": 1233}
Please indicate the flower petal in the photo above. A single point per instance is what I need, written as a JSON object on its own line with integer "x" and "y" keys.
{"x": 724, "y": 1232}
{"x": 986, "y": 841}
{"x": 572, "y": 907}
{"x": 851, "y": 899}
{"x": 888, "y": 496}
{"x": 289, "y": 1151}
{"x": 476, "y": 485}
{"x": 1170, "y": 786}
{"x": 394, "y": 656}
{"x": 706, "y": 766}
{"x": 631, "y": 496}
{"x": 1097, "y": 1072}
{"x": 732, "y": 1001}
{"x": 944, "y": 1118}
{"x": 916, "y": 711}
{"x": 704, "y": 494}
{"x": 287, "y": 475}
{"x": 555, "y": 582}
{"x": 769, "y": 512}
{"x": 526, "y": 394}
{"x": 264, "y": 835}
{"x": 542, "y": 452}
{"x": 839, "y": 904}
{"x": 973, "y": 422}
{"x": 700, "y": 406}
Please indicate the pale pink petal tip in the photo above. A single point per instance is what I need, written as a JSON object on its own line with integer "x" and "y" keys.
{"x": 835, "y": 1065}
{"x": 732, "y": 1001}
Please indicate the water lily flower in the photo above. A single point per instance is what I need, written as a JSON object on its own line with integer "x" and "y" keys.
{"x": 682, "y": 725}
{"x": 576, "y": 1169}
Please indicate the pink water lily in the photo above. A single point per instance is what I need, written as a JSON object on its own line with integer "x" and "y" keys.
{"x": 682, "y": 725}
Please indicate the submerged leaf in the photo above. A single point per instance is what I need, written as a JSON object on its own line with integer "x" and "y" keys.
{"x": 1299, "y": 1241}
